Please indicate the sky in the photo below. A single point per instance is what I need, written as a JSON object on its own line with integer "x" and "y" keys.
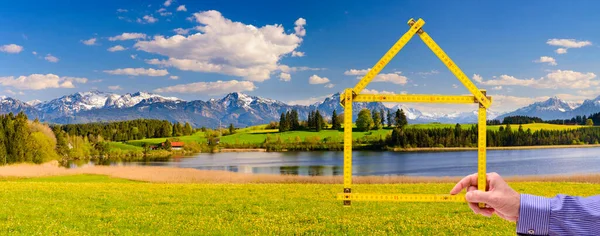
{"x": 300, "y": 53}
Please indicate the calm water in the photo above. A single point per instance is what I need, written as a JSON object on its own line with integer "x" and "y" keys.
{"x": 505, "y": 162}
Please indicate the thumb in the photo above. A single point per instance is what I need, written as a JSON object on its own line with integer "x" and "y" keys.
{"x": 478, "y": 196}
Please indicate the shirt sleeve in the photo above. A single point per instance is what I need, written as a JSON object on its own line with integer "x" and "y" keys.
{"x": 561, "y": 215}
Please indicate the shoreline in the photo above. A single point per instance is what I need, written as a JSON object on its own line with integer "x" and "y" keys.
{"x": 190, "y": 175}
{"x": 434, "y": 149}
{"x": 451, "y": 149}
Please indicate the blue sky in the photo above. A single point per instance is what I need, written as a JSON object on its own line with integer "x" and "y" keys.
{"x": 297, "y": 52}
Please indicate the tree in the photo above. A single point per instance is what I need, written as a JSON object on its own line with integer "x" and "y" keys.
{"x": 376, "y": 120}
{"x": 390, "y": 120}
{"x": 382, "y": 115}
{"x": 400, "y": 118}
{"x": 295, "y": 123}
{"x": 187, "y": 129}
{"x": 589, "y": 122}
{"x": 318, "y": 121}
{"x": 335, "y": 121}
{"x": 364, "y": 122}
{"x": 282, "y": 127}
{"x": 231, "y": 128}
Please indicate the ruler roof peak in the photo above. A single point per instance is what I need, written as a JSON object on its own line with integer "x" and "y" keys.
{"x": 416, "y": 27}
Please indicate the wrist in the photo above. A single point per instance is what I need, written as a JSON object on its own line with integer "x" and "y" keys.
{"x": 534, "y": 215}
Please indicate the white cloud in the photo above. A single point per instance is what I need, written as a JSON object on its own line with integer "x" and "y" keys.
{"x": 315, "y": 79}
{"x": 545, "y": 59}
{"x": 299, "y": 27}
{"x": 329, "y": 85}
{"x": 285, "y": 77}
{"x": 210, "y": 88}
{"x": 173, "y": 77}
{"x": 561, "y": 50}
{"x": 553, "y": 80}
{"x": 51, "y": 58}
{"x": 164, "y": 14}
{"x": 115, "y": 87}
{"x": 133, "y": 56}
{"x": 162, "y": 10}
{"x": 224, "y": 47}
{"x": 116, "y": 48}
{"x": 373, "y": 91}
{"x": 288, "y": 69}
{"x": 137, "y": 72}
{"x": 426, "y": 73}
{"x": 127, "y": 36}
{"x": 89, "y": 42}
{"x": 309, "y": 101}
{"x": 148, "y": 19}
{"x": 168, "y": 3}
{"x": 182, "y": 31}
{"x": 40, "y": 81}
{"x": 356, "y": 72}
{"x": 11, "y": 48}
{"x": 497, "y": 88}
{"x": 454, "y": 86}
{"x": 394, "y": 77}
{"x": 122, "y": 10}
{"x": 13, "y": 92}
{"x": 297, "y": 54}
{"x": 477, "y": 78}
{"x": 34, "y": 53}
{"x": 181, "y": 8}
{"x": 568, "y": 43}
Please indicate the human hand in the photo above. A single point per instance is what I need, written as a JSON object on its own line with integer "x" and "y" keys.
{"x": 499, "y": 198}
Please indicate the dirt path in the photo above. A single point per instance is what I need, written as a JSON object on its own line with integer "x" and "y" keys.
{"x": 189, "y": 175}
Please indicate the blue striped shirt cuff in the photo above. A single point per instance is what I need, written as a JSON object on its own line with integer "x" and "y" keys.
{"x": 534, "y": 215}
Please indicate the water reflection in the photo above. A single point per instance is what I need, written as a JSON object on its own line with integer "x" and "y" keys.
{"x": 506, "y": 162}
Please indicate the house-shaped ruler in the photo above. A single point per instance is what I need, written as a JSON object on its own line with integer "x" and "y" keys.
{"x": 351, "y": 95}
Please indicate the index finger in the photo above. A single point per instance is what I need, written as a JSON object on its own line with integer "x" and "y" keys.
{"x": 464, "y": 183}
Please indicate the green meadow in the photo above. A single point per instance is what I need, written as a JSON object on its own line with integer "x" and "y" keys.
{"x": 258, "y": 134}
{"x": 93, "y": 205}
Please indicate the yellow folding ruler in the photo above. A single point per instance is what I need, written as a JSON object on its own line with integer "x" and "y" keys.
{"x": 353, "y": 95}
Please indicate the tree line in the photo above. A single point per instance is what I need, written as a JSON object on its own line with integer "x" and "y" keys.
{"x": 367, "y": 120}
{"x": 22, "y": 140}
{"x": 577, "y": 120}
{"x": 129, "y": 130}
{"x": 505, "y": 136}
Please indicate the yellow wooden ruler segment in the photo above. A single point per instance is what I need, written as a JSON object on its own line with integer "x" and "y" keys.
{"x": 454, "y": 69}
{"x": 348, "y": 95}
{"x": 388, "y": 56}
{"x": 401, "y": 197}
{"x": 481, "y": 158}
{"x": 421, "y": 98}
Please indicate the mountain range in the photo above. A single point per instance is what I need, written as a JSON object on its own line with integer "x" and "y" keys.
{"x": 244, "y": 110}
{"x": 237, "y": 108}
{"x": 556, "y": 108}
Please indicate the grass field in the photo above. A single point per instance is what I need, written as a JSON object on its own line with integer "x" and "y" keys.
{"x": 95, "y": 205}
{"x": 258, "y": 134}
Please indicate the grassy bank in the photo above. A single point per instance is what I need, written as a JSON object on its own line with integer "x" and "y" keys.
{"x": 92, "y": 205}
{"x": 253, "y": 137}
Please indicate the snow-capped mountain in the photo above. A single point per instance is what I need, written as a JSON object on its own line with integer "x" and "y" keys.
{"x": 129, "y": 100}
{"x": 553, "y": 108}
{"x": 237, "y": 108}
{"x": 8, "y": 105}
{"x": 587, "y": 108}
{"x": 85, "y": 101}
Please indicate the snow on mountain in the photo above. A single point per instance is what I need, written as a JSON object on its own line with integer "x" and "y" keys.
{"x": 588, "y": 107}
{"x": 129, "y": 100}
{"x": 33, "y": 102}
{"x": 553, "y": 108}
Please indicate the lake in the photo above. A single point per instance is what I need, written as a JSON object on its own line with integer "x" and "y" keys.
{"x": 505, "y": 162}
